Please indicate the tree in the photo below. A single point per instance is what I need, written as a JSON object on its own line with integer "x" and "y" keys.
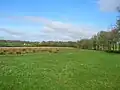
{"x": 94, "y": 42}
{"x": 118, "y": 31}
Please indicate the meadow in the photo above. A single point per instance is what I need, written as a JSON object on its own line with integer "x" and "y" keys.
{"x": 67, "y": 69}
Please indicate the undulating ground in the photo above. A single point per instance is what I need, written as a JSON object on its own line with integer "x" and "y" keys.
{"x": 65, "y": 70}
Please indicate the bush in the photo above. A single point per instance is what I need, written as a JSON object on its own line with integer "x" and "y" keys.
{"x": 54, "y": 51}
{"x": 18, "y": 52}
{"x": 50, "y": 51}
{"x": 2, "y": 53}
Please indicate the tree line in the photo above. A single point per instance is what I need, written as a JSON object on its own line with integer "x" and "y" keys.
{"x": 18, "y": 43}
{"x": 104, "y": 40}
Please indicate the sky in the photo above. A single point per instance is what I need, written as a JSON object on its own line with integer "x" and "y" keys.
{"x": 61, "y": 20}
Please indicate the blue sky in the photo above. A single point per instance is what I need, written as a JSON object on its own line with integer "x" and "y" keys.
{"x": 54, "y": 19}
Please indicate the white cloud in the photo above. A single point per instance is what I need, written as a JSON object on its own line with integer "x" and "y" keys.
{"x": 53, "y": 30}
{"x": 62, "y": 29}
{"x": 109, "y": 5}
{"x": 11, "y": 32}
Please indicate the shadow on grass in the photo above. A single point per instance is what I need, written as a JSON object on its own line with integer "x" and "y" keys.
{"x": 111, "y": 51}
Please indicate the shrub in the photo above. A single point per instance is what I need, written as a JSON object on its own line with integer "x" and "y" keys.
{"x": 34, "y": 51}
{"x": 50, "y": 51}
{"x": 2, "y": 53}
{"x": 54, "y": 51}
{"x": 18, "y": 53}
{"x": 24, "y": 50}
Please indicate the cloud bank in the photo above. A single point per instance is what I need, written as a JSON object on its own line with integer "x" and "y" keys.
{"x": 109, "y": 5}
{"x": 52, "y": 30}
{"x": 11, "y": 32}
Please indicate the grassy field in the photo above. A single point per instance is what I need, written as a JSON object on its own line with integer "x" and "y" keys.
{"x": 65, "y": 70}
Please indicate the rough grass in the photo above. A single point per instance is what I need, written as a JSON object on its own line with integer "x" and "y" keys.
{"x": 25, "y": 50}
{"x": 65, "y": 70}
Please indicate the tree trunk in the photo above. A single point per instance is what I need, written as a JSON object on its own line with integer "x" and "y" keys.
{"x": 103, "y": 47}
{"x": 109, "y": 45}
{"x": 97, "y": 47}
{"x": 119, "y": 46}
{"x": 115, "y": 46}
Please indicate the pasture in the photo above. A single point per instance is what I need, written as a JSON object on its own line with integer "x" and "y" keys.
{"x": 68, "y": 69}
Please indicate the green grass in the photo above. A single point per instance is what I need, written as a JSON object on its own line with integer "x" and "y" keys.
{"x": 66, "y": 70}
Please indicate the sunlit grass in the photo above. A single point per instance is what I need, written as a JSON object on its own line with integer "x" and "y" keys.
{"x": 65, "y": 70}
